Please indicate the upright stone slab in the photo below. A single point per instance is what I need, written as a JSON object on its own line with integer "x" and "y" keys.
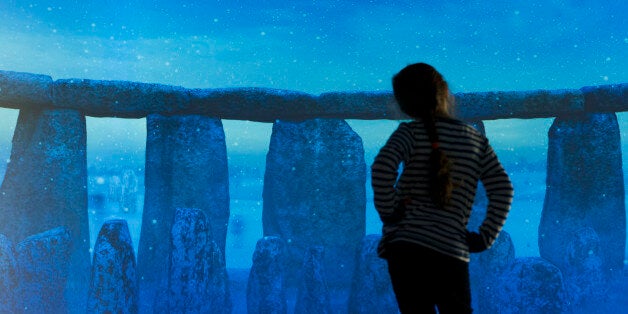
{"x": 584, "y": 278}
{"x": 9, "y": 277}
{"x": 313, "y": 295}
{"x": 45, "y": 186}
{"x": 531, "y": 285}
{"x": 371, "y": 289}
{"x": 585, "y": 188}
{"x": 113, "y": 286}
{"x": 266, "y": 287}
{"x": 186, "y": 166}
{"x": 314, "y": 193}
{"x": 43, "y": 259}
{"x": 486, "y": 269}
{"x": 198, "y": 279}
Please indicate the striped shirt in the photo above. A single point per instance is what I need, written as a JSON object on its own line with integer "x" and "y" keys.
{"x": 422, "y": 222}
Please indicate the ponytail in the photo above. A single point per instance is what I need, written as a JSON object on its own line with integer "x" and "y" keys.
{"x": 441, "y": 183}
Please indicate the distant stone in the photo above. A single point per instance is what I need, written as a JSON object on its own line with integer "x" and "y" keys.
{"x": 45, "y": 186}
{"x": 9, "y": 280}
{"x": 44, "y": 260}
{"x": 584, "y": 277}
{"x": 585, "y": 188}
{"x": 486, "y": 269}
{"x": 313, "y": 296}
{"x": 315, "y": 194}
{"x": 113, "y": 286}
{"x": 198, "y": 278}
{"x": 531, "y": 285}
{"x": 266, "y": 288}
{"x": 371, "y": 289}
{"x": 186, "y": 167}
{"x": 119, "y": 98}
{"x": 25, "y": 90}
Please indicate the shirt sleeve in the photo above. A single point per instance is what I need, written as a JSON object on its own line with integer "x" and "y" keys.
{"x": 499, "y": 191}
{"x": 385, "y": 171}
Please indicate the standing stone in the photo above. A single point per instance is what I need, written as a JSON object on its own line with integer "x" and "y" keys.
{"x": 584, "y": 278}
{"x": 485, "y": 270}
{"x": 113, "y": 286}
{"x": 43, "y": 259}
{"x": 585, "y": 188}
{"x": 313, "y": 296}
{"x": 45, "y": 186}
{"x": 186, "y": 167}
{"x": 9, "y": 274}
{"x": 315, "y": 194}
{"x": 371, "y": 289}
{"x": 266, "y": 288}
{"x": 531, "y": 285}
{"x": 197, "y": 281}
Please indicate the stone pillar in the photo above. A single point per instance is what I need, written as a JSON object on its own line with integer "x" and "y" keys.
{"x": 198, "y": 279}
{"x": 113, "y": 285}
{"x": 315, "y": 195}
{"x": 45, "y": 186}
{"x": 44, "y": 271}
{"x": 530, "y": 285}
{"x": 186, "y": 167}
{"x": 266, "y": 287}
{"x": 585, "y": 188}
{"x": 313, "y": 295}
{"x": 9, "y": 280}
{"x": 371, "y": 289}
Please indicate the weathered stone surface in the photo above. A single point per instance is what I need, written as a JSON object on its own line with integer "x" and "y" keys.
{"x": 519, "y": 104}
{"x": 198, "y": 278}
{"x": 584, "y": 276}
{"x": 313, "y": 296}
{"x": 9, "y": 277}
{"x": 136, "y": 100}
{"x": 186, "y": 167}
{"x": 266, "y": 287}
{"x": 486, "y": 269}
{"x": 119, "y": 98}
{"x": 531, "y": 285}
{"x": 45, "y": 186}
{"x": 371, "y": 289}
{"x": 606, "y": 98}
{"x": 45, "y": 266}
{"x": 314, "y": 193}
{"x": 585, "y": 188}
{"x": 359, "y": 105}
{"x": 25, "y": 91}
{"x": 113, "y": 286}
{"x": 255, "y": 104}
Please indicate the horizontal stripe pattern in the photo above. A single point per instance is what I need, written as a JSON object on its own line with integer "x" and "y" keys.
{"x": 420, "y": 221}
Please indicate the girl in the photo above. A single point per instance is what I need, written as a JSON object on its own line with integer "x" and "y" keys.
{"x": 425, "y": 211}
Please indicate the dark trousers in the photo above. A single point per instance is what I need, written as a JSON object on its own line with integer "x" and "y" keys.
{"x": 424, "y": 280}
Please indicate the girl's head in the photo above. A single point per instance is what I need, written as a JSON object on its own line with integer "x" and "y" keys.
{"x": 421, "y": 91}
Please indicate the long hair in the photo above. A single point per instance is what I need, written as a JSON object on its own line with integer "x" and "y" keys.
{"x": 422, "y": 93}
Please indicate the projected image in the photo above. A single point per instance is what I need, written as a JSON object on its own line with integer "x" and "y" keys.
{"x": 254, "y": 157}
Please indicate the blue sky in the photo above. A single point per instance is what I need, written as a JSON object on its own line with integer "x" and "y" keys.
{"x": 319, "y": 46}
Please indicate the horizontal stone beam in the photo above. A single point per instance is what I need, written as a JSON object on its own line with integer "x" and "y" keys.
{"x": 125, "y": 99}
